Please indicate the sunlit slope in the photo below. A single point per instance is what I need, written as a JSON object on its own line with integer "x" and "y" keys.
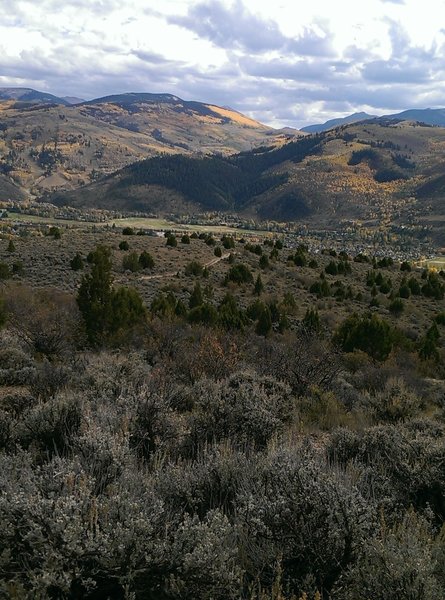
{"x": 47, "y": 147}
{"x": 367, "y": 172}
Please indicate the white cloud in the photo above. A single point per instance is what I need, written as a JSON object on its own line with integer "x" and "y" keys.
{"x": 285, "y": 62}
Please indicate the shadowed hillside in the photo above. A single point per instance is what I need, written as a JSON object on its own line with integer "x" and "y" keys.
{"x": 47, "y": 144}
{"x": 377, "y": 172}
{"x": 210, "y": 183}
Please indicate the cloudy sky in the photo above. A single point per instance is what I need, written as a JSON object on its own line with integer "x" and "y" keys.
{"x": 285, "y": 63}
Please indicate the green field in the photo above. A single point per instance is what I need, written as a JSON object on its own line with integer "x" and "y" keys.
{"x": 152, "y": 223}
{"x": 136, "y": 222}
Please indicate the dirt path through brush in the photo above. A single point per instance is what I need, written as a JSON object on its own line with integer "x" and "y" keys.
{"x": 210, "y": 263}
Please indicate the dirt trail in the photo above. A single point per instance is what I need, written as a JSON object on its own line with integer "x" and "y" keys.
{"x": 210, "y": 263}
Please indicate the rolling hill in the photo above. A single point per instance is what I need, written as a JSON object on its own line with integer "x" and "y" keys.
{"x": 160, "y": 154}
{"x": 372, "y": 172}
{"x": 47, "y": 144}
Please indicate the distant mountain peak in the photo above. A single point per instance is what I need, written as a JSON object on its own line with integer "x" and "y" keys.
{"x": 354, "y": 118}
{"x": 429, "y": 116}
{"x": 133, "y": 98}
{"x": 30, "y": 95}
{"x": 73, "y": 99}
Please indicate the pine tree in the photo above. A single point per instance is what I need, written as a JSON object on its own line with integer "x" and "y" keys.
{"x": 146, "y": 260}
{"x": 76, "y": 262}
{"x": 259, "y": 287}
{"x": 229, "y": 314}
{"x": 311, "y": 320}
{"x": 196, "y": 298}
{"x": 94, "y": 295}
{"x": 130, "y": 262}
{"x": 264, "y": 325}
{"x": 264, "y": 262}
{"x": 127, "y": 309}
{"x": 107, "y": 311}
{"x": 428, "y": 346}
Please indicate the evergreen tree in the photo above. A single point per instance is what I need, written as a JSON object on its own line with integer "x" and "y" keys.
{"x": 171, "y": 241}
{"x": 332, "y": 268}
{"x": 94, "y": 295}
{"x": 300, "y": 259}
{"x": 255, "y": 309}
{"x": 311, "y": 320}
{"x": 396, "y": 306}
{"x": 239, "y": 274}
{"x": 428, "y": 345}
{"x": 274, "y": 254}
{"x": 11, "y": 246}
{"x": 127, "y": 309}
{"x": 193, "y": 268}
{"x": 196, "y": 298}
{"x": 369, "y": 333}
{"x": 130, "y": 262}
{"x": 229, "y": 315}
{"x": 163, "y": 305}
{"x": 17, "y": 267}
{"x": 264, "y": 262}
{"x": 206, "y": 314}
{"x": 283, "y": 323}
{"x": 55, "y": 233}
{"x": 106, "y": 311}
{"x": 228, "y": 242}
{"x": 146, "y": 260}
{"x": 259, "y": 287}
{"x": 264, "y": 325}
{"x": 414, "y": 286}
{"x": 5, "y": 272}
{"x": 76, "y": 262}
{"x": 404, "y": 290}
{"x": 405, "y": 266}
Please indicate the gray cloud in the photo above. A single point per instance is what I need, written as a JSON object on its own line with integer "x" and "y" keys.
{"x": 395, "y": 71}
{"x": 231, "y": 27}
{"x": 236, "y": 27}
{"x": 272, "y": 77}
{"x": 301, "y": 70}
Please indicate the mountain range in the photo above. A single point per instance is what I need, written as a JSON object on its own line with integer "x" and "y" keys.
{"x": 428, "y": 116}
{"x": 371, "y": 174}
{"x": 160, "y": 154}
{"x": 46, "y": 143}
